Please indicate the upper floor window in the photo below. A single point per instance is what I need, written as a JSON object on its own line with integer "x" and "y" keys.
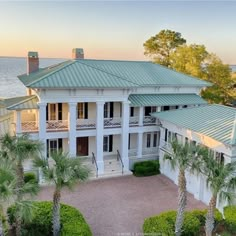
{"x": 149, "y": 110}
{"x": 82, "y": 110}
{"x": 108, "y": 110}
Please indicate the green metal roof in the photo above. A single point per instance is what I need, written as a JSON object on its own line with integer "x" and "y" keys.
{"x": 107, "y": 74}
{"x": 165, "y": 99}
{"x": 20, "y": 103}
{"x": 215, "y": 121}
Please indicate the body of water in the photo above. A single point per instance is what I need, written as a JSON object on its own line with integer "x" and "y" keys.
{"x": 11, "y": 67}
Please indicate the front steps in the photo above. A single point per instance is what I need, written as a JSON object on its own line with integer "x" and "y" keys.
{"x": 112, "y": 168}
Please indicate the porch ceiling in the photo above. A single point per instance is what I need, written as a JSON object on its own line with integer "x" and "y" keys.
{"x": 165, "y": 99}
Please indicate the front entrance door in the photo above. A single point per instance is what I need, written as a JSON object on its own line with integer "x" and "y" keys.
{"x": 82, "y": 146}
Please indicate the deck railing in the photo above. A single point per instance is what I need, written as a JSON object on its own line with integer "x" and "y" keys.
{"x": 149, "y": 120}
{"x": 85, "y": 124}
{"x": 94, "y": 161}
{"x": 112, "y": 122}
{"x": 29, "y": 126}
{"x": 133, "y": 121}
{"x": 151, "y": 150}
{"x": 120, "y": 159}
{"x": 57, "y": 125}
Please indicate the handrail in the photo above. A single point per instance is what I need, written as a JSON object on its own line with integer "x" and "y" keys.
{"x": 120, "y": 159}
{"x": 95, "y": 162}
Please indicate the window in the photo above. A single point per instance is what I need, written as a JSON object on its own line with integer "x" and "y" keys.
{"x": 185, "y": 106}
{"x": 169, "y": 137}
{"x": 220, "y": 157}
{"x": 53, "y": 145}
{"x": 149, "y": 110}
{"x": 166, "y": 108}
{"x": 108, "y": 143}
{"x": 155, "y": 140}
{"x": 153, "y": 109}
{"x": 80, "y": 110}
{"x": 52, "y": 110}
{"x": 148, "y": 140}
{"x": 108, "y": 110}
{"x": 166, "y": 132}
{"x": 129, "y": 143}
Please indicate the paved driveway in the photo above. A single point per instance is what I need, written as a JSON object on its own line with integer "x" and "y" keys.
{"x": 120, "y": 205}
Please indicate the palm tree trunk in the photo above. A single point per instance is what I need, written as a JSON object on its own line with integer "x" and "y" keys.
{"x": 1, "y": 228}
{"x": 182, "y": 201}
{"x": 209, "y": 225}
{"x": 56, "y": 213}
{"x": 19, "y": 185}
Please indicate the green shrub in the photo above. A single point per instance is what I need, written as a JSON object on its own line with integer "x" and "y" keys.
{"x": 30, "y": 177}
{"x": 146, "y": 168}
{"x": 72, "y": 221}
{"x": 230, "y": 218}
{"x": 164, "y": 224}
{"x": 201, "y": 215}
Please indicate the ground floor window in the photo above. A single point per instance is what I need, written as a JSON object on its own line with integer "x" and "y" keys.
{"x": 53, "y": 145}
{"x": 148, "y": 140}
{"x": 107, "y": 143}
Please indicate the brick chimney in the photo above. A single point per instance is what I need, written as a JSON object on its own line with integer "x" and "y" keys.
{"x": 32, "y": 62}
{"x": 77, "y": 53}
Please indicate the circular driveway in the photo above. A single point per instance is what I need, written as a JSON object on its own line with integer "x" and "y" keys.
{"x": 118, "y": 206}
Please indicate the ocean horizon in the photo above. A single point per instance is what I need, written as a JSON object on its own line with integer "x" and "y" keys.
{"x": 11, "y": 67}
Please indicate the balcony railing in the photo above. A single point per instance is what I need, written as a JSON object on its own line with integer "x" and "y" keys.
{"x": 85, "y": 124}
{"x": 29, "y": 126}
{"x": 133, "y": 153}
{"x": 151, "y": 150}
{"x": 165, "y": 146}
{"x": 56, "y": 125}
{"x": 112, "y": 122}
{"x": 149, "y": 120}
{"x": 133, "y": 121}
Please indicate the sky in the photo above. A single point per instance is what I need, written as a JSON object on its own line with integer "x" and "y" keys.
{"x": 113, "y": 29}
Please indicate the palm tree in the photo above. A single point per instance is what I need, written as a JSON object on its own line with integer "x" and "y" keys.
{"x": 63, "y": 171}
{"x": 18, "y": 149}
{"x": 7, "y": 183}
{"x": 221, "y": 180}
{"x": 183, "y": 157}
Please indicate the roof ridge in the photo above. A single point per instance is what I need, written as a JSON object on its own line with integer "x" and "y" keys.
{"x": 89, "y": 59}
{"x": 54, "y": 71}
{"x": 108, "y": 73}
{"x": 25, "y": 100}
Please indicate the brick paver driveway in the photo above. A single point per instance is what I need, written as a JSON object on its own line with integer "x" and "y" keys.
{"x": 120, "y": 205}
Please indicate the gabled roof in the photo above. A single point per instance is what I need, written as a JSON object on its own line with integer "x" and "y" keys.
{"x": 107, "y": 74}
{"x": 215, "y": 121}
{"x": 165, "y": 99}
{"x": 20, "y": 103}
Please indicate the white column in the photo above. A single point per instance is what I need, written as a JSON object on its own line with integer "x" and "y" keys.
{"x": 72, "y": 128}
{"x": 99, "y": 136}
{"x": 125, "y": 135}
{"x": 141, "y": 112}
{"x": 18, "y": 123}
{"x": 140, "y": 144}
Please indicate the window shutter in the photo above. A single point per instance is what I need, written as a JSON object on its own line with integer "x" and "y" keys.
{"x": 47, "y": 112}
{"x": 110, "y": 143}
{"x": 59, "y": 111}
{"x": 111, "y": 109}
{"x": 131, "y": 111}
{"x": 47, "y": 148}
{"x": 166, "y": 135}
{"x": 85, "y": 110}
{"x": 60, "y": 144}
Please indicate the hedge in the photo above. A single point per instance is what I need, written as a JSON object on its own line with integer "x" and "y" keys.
{"x": 30, "y": 177}
{"x": 72, "y": 221}
{"x": 146, "y": 168}
{"x": 164, "y": 224}
{"x": 230, "y": 218}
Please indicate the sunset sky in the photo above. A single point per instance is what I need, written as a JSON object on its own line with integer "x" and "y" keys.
{"x": 113, "y": 29}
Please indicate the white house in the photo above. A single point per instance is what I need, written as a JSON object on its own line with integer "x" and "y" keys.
{"x": 98, "y": 109}
{"x": 213, "y": 126}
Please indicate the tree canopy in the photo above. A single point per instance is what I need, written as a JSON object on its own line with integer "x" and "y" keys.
{"x": 160, "y": 46}
{"x": 168, "y": 48}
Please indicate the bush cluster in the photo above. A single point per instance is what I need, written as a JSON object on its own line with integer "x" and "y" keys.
{"x": 164, "y": 224}
{"x": 230, "y": 218}
{"x": 146, "y": 168}
{"x": 72, "y": 221}
{"x": 30, "y": 177}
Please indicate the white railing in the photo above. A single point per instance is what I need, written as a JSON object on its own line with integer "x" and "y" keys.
{"x": 151, "y": 150}
{"x": 85, "y": 124}
{"x": 133, "y": 121}
{"x": 112, "y": 122}
{"x": 165, "y": 146}
{"x": 149, "y": 120}
{"x": 29, "y": 126}
{"x": 132, "y": 153}
{"x": 54, "y": 125}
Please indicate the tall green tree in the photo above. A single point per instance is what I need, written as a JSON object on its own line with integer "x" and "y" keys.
{"x": 160, "y": 46}
{"x": 63, "y": 171}
{"x": 18, "y": 149}
{"x": 182, "y": 157}
{"x": 189, "y": 59}
{"x": 221, "y": 180}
